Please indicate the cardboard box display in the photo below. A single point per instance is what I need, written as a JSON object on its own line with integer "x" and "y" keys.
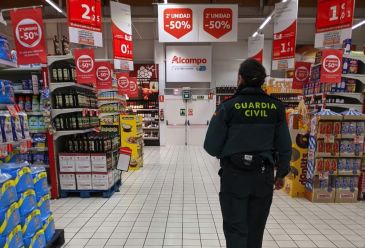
{"x": 346, "y": 195}
{"x": 67, "y": 162}
{"x": 320, "y": 196}
{"x": 101, "y": 162}
{"x": 67, "y": 181}
{"x": 84, "y": 181}
{"x": 83, "y": 162}
{"x": 102, "y": 181}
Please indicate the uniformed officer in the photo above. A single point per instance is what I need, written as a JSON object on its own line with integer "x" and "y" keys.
{"x": 244, "y": 133}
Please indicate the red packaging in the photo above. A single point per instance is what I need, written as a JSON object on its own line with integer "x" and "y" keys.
{"x": 333, "y": 165}
{"x": 328, "y": 148}
{"x": 322, "y": 127}
{"x": 337, "y": 128}
{"x": 319, "y": 165}
{"x": 320, "y": 146}
{"x": 327, "y": 165}
{"x": 329, "y": 128}
{"x": 336, "y": 147}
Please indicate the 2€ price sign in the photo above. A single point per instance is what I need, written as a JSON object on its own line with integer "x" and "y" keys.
{"x": 178, "y": 21}
{"x": 85, "y": 14}
{"x": 217, "y": 21}
{"x": 334, "y": 15}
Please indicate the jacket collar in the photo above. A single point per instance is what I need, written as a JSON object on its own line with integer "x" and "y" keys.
{"x": 251, "y": 90}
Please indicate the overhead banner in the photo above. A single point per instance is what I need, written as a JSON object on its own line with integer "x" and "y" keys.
{"x": 256, "y": 47}
{"x": 29, "y": 36}
{"x": 285, "y": 32}
{"x": 84, "y": 22}
{"x": 122, "y": 82}
{"x": 188, "y": 64}
{"x": 85, "y": 66}
{"x": 122, "y": 36}
{"x": 331, "y": 69}
{"x": 301, "y": 74}
{"x": 197, "y": 23}
{"x": 103, "y": 75}
{"x": 334, "y": 22}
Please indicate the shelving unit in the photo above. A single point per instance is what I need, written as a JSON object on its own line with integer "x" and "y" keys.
{"x": 224, "y": 93}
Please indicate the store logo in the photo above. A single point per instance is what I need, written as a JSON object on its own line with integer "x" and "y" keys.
{"x": 123, "y": 82}
{"x": 181, "y": 60}
{"x": 85, "y": 63}
{"x": 103, "y": 73}
{"x": 28, "y": 32}
{"x": 331, "y": 63}
{"x": 302, "y": 73}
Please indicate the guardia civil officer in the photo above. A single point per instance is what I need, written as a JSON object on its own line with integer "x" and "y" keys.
{"x": 243, "y": 134}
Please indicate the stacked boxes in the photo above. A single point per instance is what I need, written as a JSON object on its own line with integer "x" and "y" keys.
{"x": 25, "y": 213}
{"x": 334, "y": 160}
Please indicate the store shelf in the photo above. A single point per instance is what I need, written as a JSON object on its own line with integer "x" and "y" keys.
{"x": 38, "y": 131}
{"x": 54, "y": 86}
{"x": 360, "y": 77}
{"x": 149, "y": 120}
{"x": 224, "y": 94}
{"x": 34, "y": 113}
{"x": 24, "y": 69}
{"x": 6, "y": 64}
{"x": 41, "y": 165}
{"x": 108, "y": 114}
{"x": 104, "y": 102}
{"x": 357, "y": 56}
{"x": 151, "y": 138}
{"x": 56, "y": 112}
{"x": 151, "y": 128}
{"x": 71, "y": 132}
{"x": 38, "y": 149}
{"x": 54, "y": 58}
{"x": 24, "y": 92}
{"x": 358, "y": 107}
{"x": 108, "y": 90}
{"x": 136, "y": 110}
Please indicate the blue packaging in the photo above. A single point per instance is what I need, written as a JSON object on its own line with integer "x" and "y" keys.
{"x": 346, "y": 65}
{"x": 44, "y": 205}
{"x": 49, "y": 228}
{"x": 40, "y": 182}
{"x": 27, "y": 202}
{"x": 9, "y": 219}
{"x": 21, "y": 173}
{"x": 8, "y": 194}
{"x": 31, "y": 224}
{"x": 37, "y": 241}
{"x": 13, "y": 240}
{"x": 5, "y": 52}
{"x": 6, "y": 92}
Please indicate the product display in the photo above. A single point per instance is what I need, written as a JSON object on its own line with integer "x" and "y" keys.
{"x": 224, "y": 92}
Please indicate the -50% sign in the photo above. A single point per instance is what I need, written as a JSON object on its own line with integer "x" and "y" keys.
{"x": 178, "y": 21}
{"x": 217, "y": 21}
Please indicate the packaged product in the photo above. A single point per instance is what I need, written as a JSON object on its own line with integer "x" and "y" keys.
{"x": 44, "y": 205}
{"x": 31, "y": 223}
{"x": 16, "y": 127}
{"x": 8, "y": 191}
{"x": 37, "y": 241}
{"x": 13, "y": 240}
{"x": 5, "y": 52}
{"x": 346, "y": 65}
{"x": 39, "y": 175}
{"x": 9, "y": 219}
{"x": 5, "y": 125}
{"x": 6, "y": 92}
{"x": 33, "y": 122}
{"x": 21, "y": 173}
{"x": 49, "y": 228}
{"x": 360, "y": 128}
{"x": 23, "y": 118}
{"x": 353, "y": 66}
{"x": 27, "y": 202}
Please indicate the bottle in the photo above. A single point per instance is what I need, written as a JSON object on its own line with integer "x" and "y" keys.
{"x": 35, "y": 103}
{"x": 28, "y": 104}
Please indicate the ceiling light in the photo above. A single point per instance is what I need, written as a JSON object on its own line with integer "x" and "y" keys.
{"x": 265, "y": 22}
{"x": 55, "y": 6}
{"x": 165, "y": 1}
{"x": 255, "y": 34}
{"x": 358, "y": 25}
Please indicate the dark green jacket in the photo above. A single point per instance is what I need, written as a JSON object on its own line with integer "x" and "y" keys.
{"x": 251, "y": 122}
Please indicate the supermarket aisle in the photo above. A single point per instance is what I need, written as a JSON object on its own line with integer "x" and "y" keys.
{"x": 173, "y": 202}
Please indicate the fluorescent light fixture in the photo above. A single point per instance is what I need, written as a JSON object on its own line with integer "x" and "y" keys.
{"x": 55, "y": 6}
{"x": 165, "y": 1}
{"x": 268, "y": 19}
{"x": 255, "y": 34}
{"x": 284, "y": 1}
{"x": 358, "y": 25}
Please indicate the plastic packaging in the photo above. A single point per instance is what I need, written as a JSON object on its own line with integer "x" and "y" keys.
{"x": 39, "y": 175}
{"x": 31, "y": 223}
{"x": 27, "y": 202}
{"x": 13, "y": 240}
{"x": 37, "y": 241}
{"x": 9, "y": 219}
{"x": 21, "y": 173}
{"x": 44, "y": 205}
{"x": 6, "y": 92}
{"x": 49, "y": 228}
{"x": 8, "y": 191}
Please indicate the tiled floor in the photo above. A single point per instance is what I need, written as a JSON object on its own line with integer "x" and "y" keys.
{"x": 173, "y": 202}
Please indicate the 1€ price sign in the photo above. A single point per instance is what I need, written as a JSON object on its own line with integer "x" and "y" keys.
{"x": 178, "y": 21}
{"x": 334, "y": 14}
{"x": 217, "y": 21}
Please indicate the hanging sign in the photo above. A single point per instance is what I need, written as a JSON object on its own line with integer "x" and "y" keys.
{"x": 122, "y": 36}
{"x": 85, "y": 66}
{"x": 197, "y": 23}
{"x": 256, "y": 47}
{"x": 29, "y": 36}
{"x": 189, "y": 64}
{"x": 334, "y": 22}
{"x": 301, "y": 74}
{"x": 285, "y": 31}
{"x": 133, "y": 88}
{"x": 103, "y": 75}
{"x": 122, "y": 82}
{"x": 331, "y": 70}
{"x": 85, "y": 22}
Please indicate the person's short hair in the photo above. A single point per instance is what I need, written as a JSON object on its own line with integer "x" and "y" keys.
{"x": 252, "y": 72}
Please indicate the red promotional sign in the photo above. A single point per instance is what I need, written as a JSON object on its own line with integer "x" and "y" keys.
{"x": 122, "y": 82}
{"x": 301, "y": 74}
{"x": 29, "y": 36}
{"x": 217, "y": 21}
{"x": 145, "y": 72}
{"x": 178, "y": 21}
{"x": 103, "y": 75}
{"x": 331, "y": 70}
{"x": 284, "y": 43}
{"x": 256, "y": 47}
{"x": 85, "y": 66}
{"x": 133, "y": 88}
{"x": 84, "y": 20}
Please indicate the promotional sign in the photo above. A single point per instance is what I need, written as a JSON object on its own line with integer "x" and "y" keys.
{"x": 84, "y": 22}
{"x": 103, "y": 75}
{"x": 285, "y": 31}
{"x": 29, "y": 36}
{"x": 122, "y": 82}
{"x": 197, "y": 23}
{"x": 188, "y": 64}
{"x": 301, "y": 74}
{"x": 334, "y": 22}
{"x": 122, "y": 36}
{"x": 85, "y": 66}
{"x": 331, "y": 70}
{"x": 256, "y": 47}
{"x": 147, "y": 80}
{"x": 133, "y": 88}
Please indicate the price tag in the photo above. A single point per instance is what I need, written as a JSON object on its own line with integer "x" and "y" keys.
{"x": 178, "y": 21}
{"x": 329, "y": 138}
{"x": 334, "y": 14}
{"x": 125, "y": 48}
{"x": 359, "y": 139}
{"x": 85, "y": 12}
{"x": 217, "y": 21}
